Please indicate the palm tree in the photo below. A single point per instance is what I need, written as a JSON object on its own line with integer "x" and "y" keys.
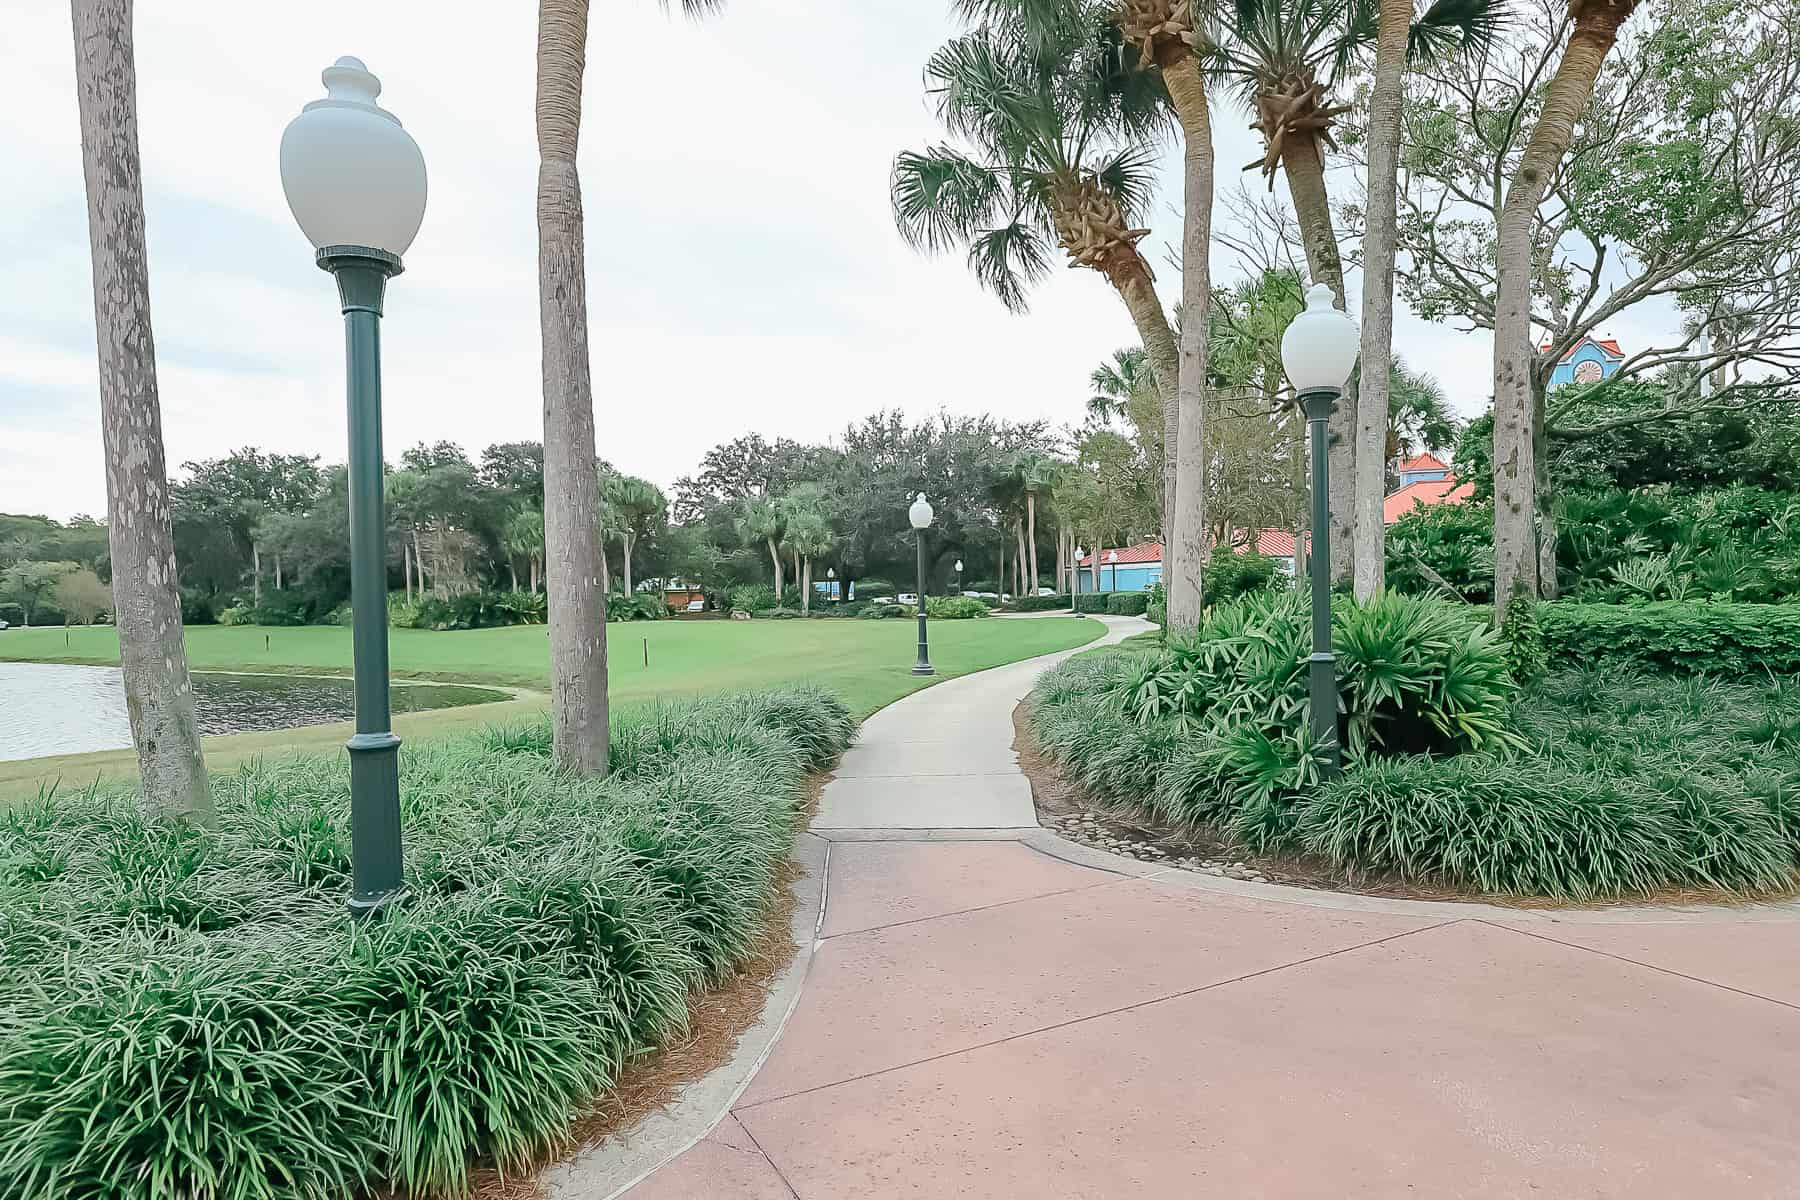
{"x": 1169, "y": 37}
{"x": 1056, "y": 119}
{"x": 637, "y": 505}
{"x": 763, "y": 521}
{"x": 1286, "y": 56}
{"x": 147, "y": 604}
{"x": 1116, "y": 381}
{"x": 525, "y": 537}
{"x": 1448, "y": 25}
{"x": 1594, "y": 29}
{"x": 811, "y": 536}
{"x": 1037, "y": 476}
{"x": 1167, "y": 34}
{"x": 576, "y": 561}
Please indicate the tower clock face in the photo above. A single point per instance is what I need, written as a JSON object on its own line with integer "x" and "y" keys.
{"x": 1587, "y": 372}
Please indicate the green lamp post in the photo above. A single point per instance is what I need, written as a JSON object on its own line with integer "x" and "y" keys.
{"x": 1318, "y": 352}
{"x": 355, "y": 182}
{"x": 920, "y": 515}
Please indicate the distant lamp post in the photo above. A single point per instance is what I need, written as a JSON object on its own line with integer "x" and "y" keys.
{"x": 920, "y": 515}
{"x": 959, "y": 578}
{"x": 1112, "y": 560}
{"x": 1075, "y": 583}
{"x": 355, "y": 182}
{"x": 1318, "y": 351}
{"x": 831, "y": 574}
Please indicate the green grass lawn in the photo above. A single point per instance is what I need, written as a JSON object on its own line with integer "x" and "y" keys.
{"x": 867, "y": 663}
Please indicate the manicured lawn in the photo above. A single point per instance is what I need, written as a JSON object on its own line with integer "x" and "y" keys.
{"x": 867, "y": 663}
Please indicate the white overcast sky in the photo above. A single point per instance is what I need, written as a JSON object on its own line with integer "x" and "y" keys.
{"x": 743, "y": 269}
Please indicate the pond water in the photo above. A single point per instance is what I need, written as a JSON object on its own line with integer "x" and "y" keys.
{"x": 49, "y": 708}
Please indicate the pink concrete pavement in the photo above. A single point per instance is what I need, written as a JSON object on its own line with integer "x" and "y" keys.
{"x": 981, "y": 1019}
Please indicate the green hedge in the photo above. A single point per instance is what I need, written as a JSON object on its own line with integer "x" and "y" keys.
{"x": 193, "y": 1012}
{"x": 954, "y": 608}
{"x": 1041, "y": 603}
{"x": 1127, "y": 604}
{"x": 1682, "y": 636}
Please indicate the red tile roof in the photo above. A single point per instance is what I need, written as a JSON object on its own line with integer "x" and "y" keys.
{"x": 1424, "y": 462}
{"x": 1608, "y": 345}
{"x": 1274, "y": 543}
{"x": 1421, "y": 494}
{"x": 1143, "y": 552}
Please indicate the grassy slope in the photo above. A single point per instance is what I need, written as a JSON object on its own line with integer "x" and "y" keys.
{"x": 867, "y": 663}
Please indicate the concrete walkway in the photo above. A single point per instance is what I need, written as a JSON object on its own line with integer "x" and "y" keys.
{"x": 990, "y": 1011}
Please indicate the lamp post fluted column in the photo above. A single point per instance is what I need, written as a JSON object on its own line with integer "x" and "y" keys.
{"x": 355, "y": 181}
{"x": 1321, "y": 664}
{"x": 920, "y": 514}
{"x": 1318, "y": 352}
{"x": 376, "y": 864}
{"x": 923, "y": 665}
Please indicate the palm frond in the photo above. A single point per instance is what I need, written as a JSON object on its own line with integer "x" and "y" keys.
{"x": 1452, "y": 27}
{"x": 1009, "y": 259}
{"x": 1129, "y": 174}
{"x": 942, "y": 197}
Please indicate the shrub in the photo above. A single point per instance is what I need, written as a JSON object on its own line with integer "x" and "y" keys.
{"x": 1680, "y": 636}
{"x": 754, "y": 597}
{"x": 1157, "y": 609}
{"x": 954, "y": 608}
{"x": 1091, "y": 602}
{"x": 256, "y": 1040}
{"x": 1527, "y": 654}
{"x": 1041, "y": 603}
{"x": 638, "y": 606}
{"x": 468, "y": 610}
{"x": 875, "y": 589}
{"x": 1127, "y": 604}
{"x": 1228, "y": 576}
{"x": 237, "y": 613}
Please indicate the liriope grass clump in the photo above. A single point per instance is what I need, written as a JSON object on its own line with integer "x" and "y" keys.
{"x": 1593, "y": 784}
{"x": 192, "y": 1012}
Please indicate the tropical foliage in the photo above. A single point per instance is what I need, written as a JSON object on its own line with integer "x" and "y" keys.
{"x": 194, "y": 1012}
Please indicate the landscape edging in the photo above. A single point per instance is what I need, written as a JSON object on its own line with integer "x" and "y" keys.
{"x": 621, "y": 1162}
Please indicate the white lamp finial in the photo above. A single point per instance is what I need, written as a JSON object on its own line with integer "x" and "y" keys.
{"x": 352, "y": 175}
{"x": 1320, "y": 346}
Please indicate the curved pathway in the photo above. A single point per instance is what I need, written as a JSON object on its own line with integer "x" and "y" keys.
{"x": 989, "y": 1011}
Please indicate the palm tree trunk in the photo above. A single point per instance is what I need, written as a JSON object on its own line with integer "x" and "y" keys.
{"x": 534, "y": 572}
{"x": 1597, "y": 25}
{"x": 406, "y": 569}
{"x": 576, "y": 562}
{"x": 1546, "y": 497}
{"x": 625, "y": 554}
{"x": 1002, "y": 577}
{"x": 1370, "y": 457}
{"x": 775, "y": 557}
{"x": 255, "y": 574}
{"x": 1184, "y": 554}
{"x": 1139, "y": 293}
{"x": 278, "y": 572}
{"x": 512, "y": 567}
{"x": 418, "y": 561}
{"x": 1304, "y": 167}
{"x": 1062, "y": 557}
{"x": 806, "y": 586}
{"x": 1031, "y": 536}
{"x": 1019, "y": 559}
{"x": 146, "y": 601}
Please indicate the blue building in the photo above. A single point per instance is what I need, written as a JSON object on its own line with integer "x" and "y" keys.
{"x": 1588, "y": 361}
{"x": 1134, "y": 569}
